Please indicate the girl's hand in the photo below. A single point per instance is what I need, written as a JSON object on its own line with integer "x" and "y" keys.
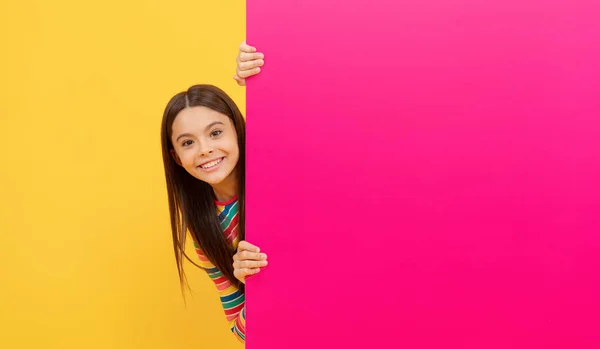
{"x": 248, "y": 63}
{"x": 247, "y": 261}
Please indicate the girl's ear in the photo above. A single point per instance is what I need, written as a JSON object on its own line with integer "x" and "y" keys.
{"x": 175, "y": 157}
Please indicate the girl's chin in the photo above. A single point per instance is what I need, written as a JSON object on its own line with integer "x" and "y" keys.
{"x": 213, "y": 179}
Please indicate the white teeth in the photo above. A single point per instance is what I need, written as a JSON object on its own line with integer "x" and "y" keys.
{"x": 212, "y": 163}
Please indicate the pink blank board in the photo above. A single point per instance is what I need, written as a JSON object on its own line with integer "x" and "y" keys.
{"x": 425, "y": 174}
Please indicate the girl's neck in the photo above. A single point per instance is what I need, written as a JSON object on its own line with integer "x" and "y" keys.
{"x": 227, "y": 189}
{"x": 224, "y": 195}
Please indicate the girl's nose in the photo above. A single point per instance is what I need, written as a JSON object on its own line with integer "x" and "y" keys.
{"x": 206, "y": 150}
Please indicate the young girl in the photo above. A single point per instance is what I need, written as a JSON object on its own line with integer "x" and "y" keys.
{"x": 203, "y": 137}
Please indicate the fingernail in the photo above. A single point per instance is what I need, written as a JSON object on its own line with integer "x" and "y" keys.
{"x": 258, "y": 70}
{"x": 264, "y": 256}
{"x": 261, "y": 56}
{"x": 261, "y": 62}
{"x": 265, "y": 263}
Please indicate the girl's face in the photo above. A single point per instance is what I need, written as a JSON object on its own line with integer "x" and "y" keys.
{"x": 205, "y": 144}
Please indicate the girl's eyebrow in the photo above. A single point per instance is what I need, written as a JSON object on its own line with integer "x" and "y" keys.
{"x": 205, "y": 129}
{"x": 213, "y": 124}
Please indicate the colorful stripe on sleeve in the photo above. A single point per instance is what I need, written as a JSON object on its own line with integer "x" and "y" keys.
{"x": 232, "y": 299}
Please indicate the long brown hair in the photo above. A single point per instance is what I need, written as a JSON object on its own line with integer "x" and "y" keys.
{"x": 192, "y": 201}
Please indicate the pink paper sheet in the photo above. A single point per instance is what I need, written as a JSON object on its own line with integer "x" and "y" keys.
{"x": 425, "y": 174}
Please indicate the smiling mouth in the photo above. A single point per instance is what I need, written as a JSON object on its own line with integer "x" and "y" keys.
{"x": 209, "y": 165}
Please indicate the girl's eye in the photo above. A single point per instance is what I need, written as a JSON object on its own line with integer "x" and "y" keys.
{"x": 216, "y": 133}
{"x": 187, "y": 143}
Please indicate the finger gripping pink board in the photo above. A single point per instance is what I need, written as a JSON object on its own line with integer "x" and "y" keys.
{"x": 425, "y": 174}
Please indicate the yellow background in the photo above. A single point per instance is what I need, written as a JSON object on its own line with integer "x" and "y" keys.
{"x": 86, "y": 256}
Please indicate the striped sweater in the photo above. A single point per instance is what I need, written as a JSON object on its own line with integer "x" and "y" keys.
{"x": 232, "y": 299}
